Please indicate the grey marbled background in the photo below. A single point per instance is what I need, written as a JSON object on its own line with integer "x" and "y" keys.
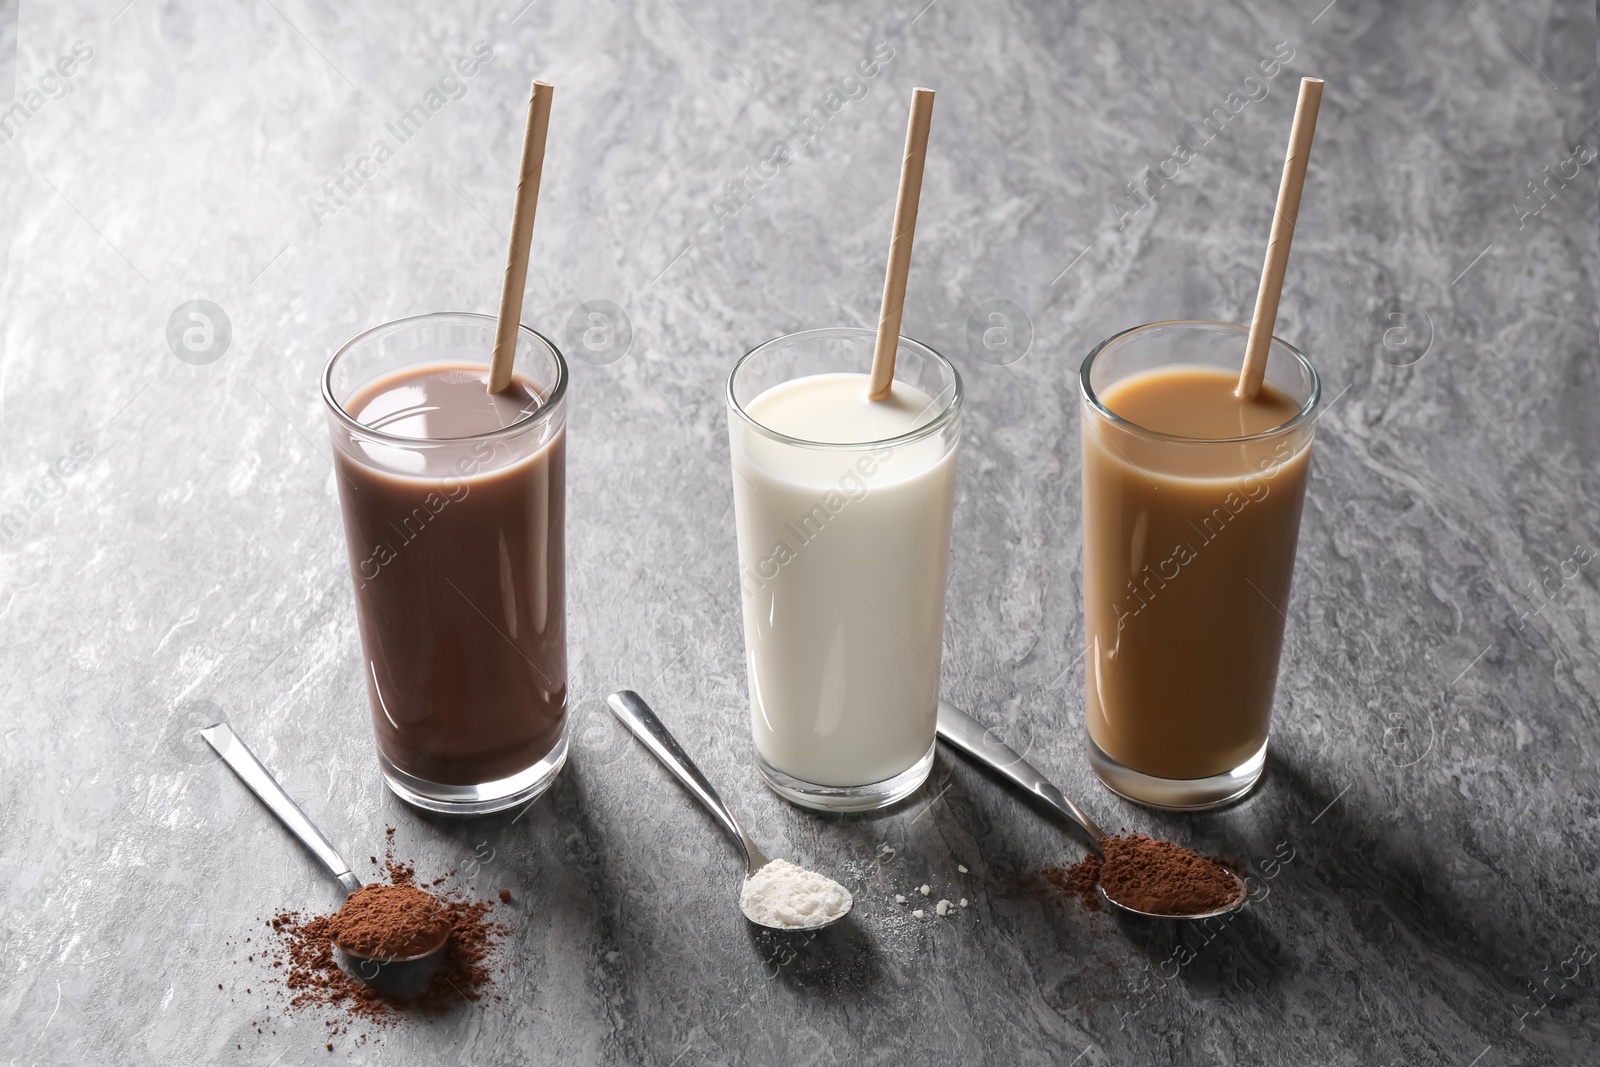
{"x": 1428, "y": 826}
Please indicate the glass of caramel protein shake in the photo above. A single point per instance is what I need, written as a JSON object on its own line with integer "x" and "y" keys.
{"x": 1191, "y": 510}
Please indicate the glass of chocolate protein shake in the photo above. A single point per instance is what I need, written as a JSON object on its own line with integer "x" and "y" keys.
{"x": 454, "y": 509}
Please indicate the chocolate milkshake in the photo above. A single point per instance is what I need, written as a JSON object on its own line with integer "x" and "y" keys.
{"x": 453, "y": 502}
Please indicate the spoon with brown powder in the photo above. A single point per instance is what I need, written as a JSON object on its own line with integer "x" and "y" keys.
{"x": 1137, "y": 874}
{"x": 384, "y": 929}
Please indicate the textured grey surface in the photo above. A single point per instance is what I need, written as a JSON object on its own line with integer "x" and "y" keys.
{"x": 1433, "y": 764}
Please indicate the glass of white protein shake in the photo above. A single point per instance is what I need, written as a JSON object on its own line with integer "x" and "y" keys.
{"x": 843, "y": 508}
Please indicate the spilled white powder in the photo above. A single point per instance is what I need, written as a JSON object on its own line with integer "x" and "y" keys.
{"x": 789, "y": 897}
{"x": 942, "y": 908}
{"x": 919, "y": 914}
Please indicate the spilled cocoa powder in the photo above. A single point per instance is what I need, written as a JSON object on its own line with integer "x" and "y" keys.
{"x": 1078, "y": 881}
{"x": 1157, "y": 877}
{"x": 383, "y": 920}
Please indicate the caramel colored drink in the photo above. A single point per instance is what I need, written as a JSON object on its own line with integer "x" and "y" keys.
{"x": 1191, "y": 511}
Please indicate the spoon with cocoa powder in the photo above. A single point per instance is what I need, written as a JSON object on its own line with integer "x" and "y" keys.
{"x": 1138, "y": 874}
{"x": 384, "y": 929}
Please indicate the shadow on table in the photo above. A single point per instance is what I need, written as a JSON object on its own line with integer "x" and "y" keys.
{"x": 1248, "y": 949}
{"x": 840, "y": 959}
{"x": 538, "y": 846}
{"x": 1394, "y": 886}
{"x": 1390, "y": 872}
{"x": 825, "y": 963}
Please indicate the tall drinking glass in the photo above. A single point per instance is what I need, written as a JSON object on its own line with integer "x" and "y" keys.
{"x": 843, "y": 509}
{"x": 454, "y": 511}
{"x": 1188, "y": 549}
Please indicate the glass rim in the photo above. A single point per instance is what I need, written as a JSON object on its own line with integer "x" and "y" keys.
{"x": 927, "y": 429}
{"x": 542, "y": 413}
{"x": 1307, "y": 409}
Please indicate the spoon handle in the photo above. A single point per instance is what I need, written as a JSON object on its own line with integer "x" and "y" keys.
{"x": 970, "y": 736}
{"x": 261, "y": 782}
{"x": 631, "y": 710}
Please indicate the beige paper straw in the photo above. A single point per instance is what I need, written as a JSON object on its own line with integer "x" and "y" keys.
{"x": 516, "y": 279}
{"x": 1294, "y": 179}
{"x": 905, "y": 225}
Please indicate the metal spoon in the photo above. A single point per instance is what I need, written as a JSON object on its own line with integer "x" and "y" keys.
{"x": 964, "y": 732}
{"x": 255, "y": 775}
{"x": 631, "y": 710}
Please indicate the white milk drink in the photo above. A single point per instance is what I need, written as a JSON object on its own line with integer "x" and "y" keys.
{"x": 843, "y": 556}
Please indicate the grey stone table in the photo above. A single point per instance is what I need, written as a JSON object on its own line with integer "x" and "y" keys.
{"x": 1425, "y": 839}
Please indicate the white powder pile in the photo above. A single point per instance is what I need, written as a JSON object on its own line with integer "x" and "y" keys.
{"x": 788, "y": 897}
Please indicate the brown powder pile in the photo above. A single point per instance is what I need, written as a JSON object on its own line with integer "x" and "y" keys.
{"x": 1079, "y": 881}
{"x": 383, "y": 920}
{"x": 390, "y": 922}
{"x": 1151, "y": 876}
{"x": 314, "y": 978}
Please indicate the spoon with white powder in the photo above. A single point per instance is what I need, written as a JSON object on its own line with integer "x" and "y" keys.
{"x": 777, "y": 894}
